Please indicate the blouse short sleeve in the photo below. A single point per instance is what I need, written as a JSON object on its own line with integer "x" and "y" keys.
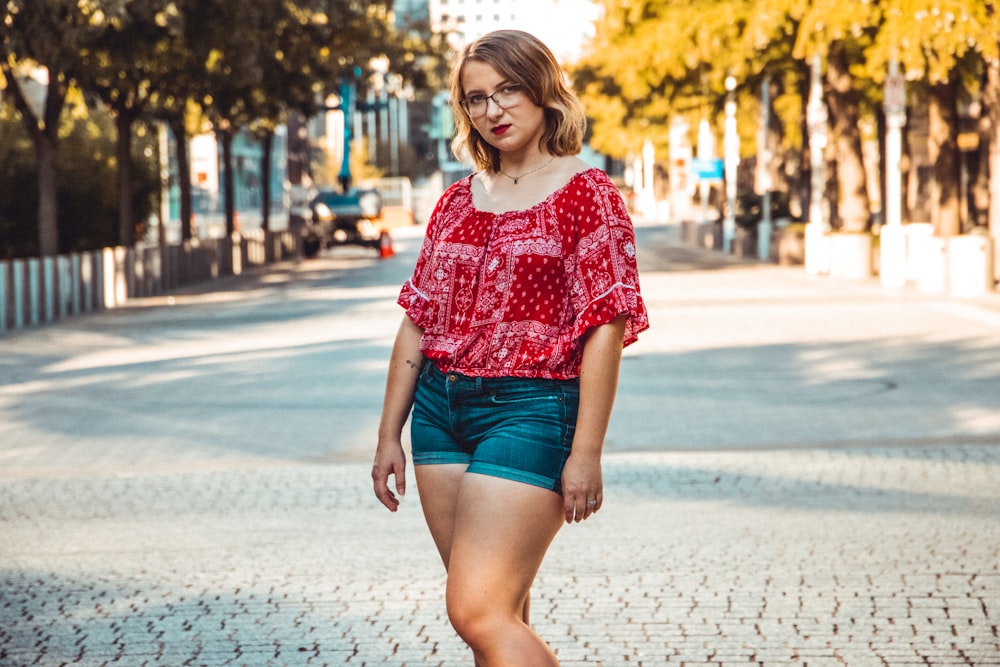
{"x": 603, "y": 271}
{"x": 416, "y": 302}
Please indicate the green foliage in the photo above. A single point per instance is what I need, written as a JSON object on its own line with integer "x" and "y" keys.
{"x": 933, "y": 39}
{"x": 18, "y": 189}
{"x": 654, "y": 59}
{"x": 238, "y": 63}
{"x": 87, "y": 197}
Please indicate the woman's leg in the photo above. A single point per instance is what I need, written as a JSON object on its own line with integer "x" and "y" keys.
{"x": 438, "y": 486}
{"x": 500, "y": 534}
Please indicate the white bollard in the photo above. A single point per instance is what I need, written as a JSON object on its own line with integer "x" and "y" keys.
{"x": 75, "y": 272}
{"x": 4, "y": 295}
{"x": 17, "y": 270}
{"x": 88, "y": 280}
{"x": 892, "y": 256}
{"x": 817, "y": 249}
{"x": 970, "y": 265}
{"x": 64, "y": 285}
{"x": 49, "y": 287}
{"x": 34, "y": 291}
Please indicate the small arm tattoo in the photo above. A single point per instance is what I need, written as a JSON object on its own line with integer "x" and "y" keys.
{"x": 412, "y": 364}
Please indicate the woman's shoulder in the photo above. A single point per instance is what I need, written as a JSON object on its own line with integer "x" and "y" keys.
{"x": 588, "y": 182}
{"x": 460, "y": 188}
{"x": 458, "y": 193}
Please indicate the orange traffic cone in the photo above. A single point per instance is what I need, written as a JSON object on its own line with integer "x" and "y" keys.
{"x": 385, "y": 245}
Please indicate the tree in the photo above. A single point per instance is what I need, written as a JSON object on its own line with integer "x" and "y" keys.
{"x": 239, "y": 63}
{"x": 303, "y": 53}
{"x": 40, "y": 39}
{"x": 840, "y": 32}
{"x": 87, "y": 199}
{"x": 223, "y": 36}
{"x": 652, "y": 61}
{"x": 264, "y": 58}
{"x": 124, "y": 64}
{"x": 942, "y": 46}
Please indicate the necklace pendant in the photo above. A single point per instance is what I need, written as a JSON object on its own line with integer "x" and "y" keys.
{"x": 515, "y": 181}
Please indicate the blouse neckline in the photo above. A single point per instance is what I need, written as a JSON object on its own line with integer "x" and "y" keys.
{"x": 520, "y": 211}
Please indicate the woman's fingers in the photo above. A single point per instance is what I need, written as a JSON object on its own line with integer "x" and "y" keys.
{"x": 582, "y": 488}
{"x": 580, "y": 505}
{"x": 383, "y": 468}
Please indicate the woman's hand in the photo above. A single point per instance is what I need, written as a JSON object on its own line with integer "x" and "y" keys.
{"x": 389, "y": 461}
{"x": 582, "y": 487}
{"x": 400, "y": 385}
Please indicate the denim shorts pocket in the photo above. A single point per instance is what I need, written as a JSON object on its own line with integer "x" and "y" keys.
{"x": 524, "y": 396}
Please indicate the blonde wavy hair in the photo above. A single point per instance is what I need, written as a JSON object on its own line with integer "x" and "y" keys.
{"x": 523, "y": 59}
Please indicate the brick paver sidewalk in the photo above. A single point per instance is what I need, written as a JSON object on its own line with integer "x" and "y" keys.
{"x": 798, "y": 473}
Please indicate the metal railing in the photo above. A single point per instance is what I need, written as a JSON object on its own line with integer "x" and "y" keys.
{"x": 40, "y": 290}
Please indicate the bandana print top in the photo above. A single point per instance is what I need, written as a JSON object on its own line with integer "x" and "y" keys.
{"x": 512, "y": 294}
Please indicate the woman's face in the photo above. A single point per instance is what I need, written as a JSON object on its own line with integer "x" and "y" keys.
{"x": 513, "y": 128}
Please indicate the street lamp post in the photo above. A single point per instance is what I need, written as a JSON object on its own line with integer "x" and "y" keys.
{"x": 397, "y": 119}
{"x": 347, "y": 108}
{"x": 892, "y": 241}
{"x": 731, "y": 148}
{"x": 764, "y": 172}
{"x": 816, "y": 118}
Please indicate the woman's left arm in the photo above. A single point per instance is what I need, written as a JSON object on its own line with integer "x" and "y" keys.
{"x": 582, "y": 478}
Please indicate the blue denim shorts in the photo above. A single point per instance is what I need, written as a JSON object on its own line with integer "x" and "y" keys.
{"x": 516, "y": 428}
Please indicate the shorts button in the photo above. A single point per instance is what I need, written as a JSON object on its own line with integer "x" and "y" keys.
{"x": 452, "y": 377}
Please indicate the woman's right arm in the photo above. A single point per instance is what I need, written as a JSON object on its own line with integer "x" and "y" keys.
{"x": 404, "y": 368}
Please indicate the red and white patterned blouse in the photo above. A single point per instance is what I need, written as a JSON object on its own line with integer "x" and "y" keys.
{"x": 512, "y": 294}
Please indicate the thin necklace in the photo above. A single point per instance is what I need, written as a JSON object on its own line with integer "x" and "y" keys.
{"x": 539, "y": 168}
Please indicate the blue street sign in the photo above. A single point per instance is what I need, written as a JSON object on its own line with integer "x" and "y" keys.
{"x": 706, "y": 169}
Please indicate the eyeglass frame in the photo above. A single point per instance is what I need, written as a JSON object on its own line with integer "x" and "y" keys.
{"x": 514, "y": 89}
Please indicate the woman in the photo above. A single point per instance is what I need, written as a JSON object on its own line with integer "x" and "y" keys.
{"x": 524, "y": 294}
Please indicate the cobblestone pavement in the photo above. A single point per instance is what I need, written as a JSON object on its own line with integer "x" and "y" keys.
{"x": 825, "y": 491}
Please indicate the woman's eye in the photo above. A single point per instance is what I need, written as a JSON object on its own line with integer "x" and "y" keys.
{"x": 475, "y": 99}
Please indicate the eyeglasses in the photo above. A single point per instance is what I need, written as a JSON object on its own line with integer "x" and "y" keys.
{"x": 505, "y": 98}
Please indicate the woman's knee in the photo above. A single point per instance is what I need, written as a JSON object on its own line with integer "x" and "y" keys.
{"x": 475, "y": 617}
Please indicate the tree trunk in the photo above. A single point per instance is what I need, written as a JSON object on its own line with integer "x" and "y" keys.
{"x": 267, "y": 143}
{"x": 979, "y": 175}
{"x": 44, "y": 133}
{"x": 47, "y": 147}
{"x": 183, "y": 174}
{"x": 991, "y": 98}
{"x": 843, "y": 101}
{"x": 942, "y": 148}
{"x": 123, "y": 151}
{"x": 905, "y": 167}
{"x": 228, "y": 178}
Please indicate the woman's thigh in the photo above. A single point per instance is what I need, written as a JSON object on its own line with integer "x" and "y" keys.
{"x": 438, "y": 486}
{"x": 501, "y": 532}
